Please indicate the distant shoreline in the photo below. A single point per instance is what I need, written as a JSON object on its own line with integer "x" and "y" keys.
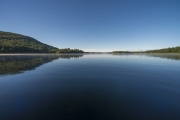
{"x": 14, "y": 54}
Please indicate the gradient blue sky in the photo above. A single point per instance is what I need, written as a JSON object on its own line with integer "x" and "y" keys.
{"x": 95, "y": 25}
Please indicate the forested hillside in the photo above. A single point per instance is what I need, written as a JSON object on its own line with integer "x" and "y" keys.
{"x": 17, "y": 43}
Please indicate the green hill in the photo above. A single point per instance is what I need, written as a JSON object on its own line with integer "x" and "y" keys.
{"x": 17, "y": 43}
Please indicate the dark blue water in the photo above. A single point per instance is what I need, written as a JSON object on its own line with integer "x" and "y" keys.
{"x": 90, "y": 87}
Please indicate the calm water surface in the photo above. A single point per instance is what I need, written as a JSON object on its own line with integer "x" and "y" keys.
{"x": 90, "y": 87}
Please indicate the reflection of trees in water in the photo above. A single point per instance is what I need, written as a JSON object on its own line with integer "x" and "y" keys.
{"x": 17, "y": 64}
{"x": 69, "y": 56}
{"x": 173, "y": 56}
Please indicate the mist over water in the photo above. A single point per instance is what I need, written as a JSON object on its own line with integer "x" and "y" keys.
{"x": 90, "y": 87}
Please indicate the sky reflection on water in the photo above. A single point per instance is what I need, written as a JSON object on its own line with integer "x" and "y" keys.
{"x": 91, "y": 87}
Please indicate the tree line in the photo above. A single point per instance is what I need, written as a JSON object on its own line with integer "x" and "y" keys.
{"x": 68, "y": 50}
{"x": 165, "y": 50}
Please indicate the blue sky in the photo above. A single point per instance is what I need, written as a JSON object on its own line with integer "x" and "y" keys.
{"x": 95, "y": 25}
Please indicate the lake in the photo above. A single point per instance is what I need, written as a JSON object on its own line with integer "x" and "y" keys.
{"x": 90, "y": 87}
